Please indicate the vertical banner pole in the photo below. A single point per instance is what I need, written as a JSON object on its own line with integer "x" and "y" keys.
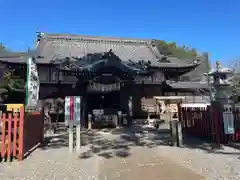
{"x": 77, "y": 117}
{"x": 78, "y": 139}
{"x": 72, "y": 117}
{"x": 69, "y": 123}
{"x": 70, "y": 140}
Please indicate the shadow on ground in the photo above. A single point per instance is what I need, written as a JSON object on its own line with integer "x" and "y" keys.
{"x": 119, "y": 142}
{"x": 110, "y": 143}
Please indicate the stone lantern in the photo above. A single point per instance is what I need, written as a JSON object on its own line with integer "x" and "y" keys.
{"x": 220, "y": 83}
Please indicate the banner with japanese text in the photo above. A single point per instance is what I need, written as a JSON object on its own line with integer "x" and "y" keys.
{"x": 72, "y": 110}
{"x": 33, "y": 84}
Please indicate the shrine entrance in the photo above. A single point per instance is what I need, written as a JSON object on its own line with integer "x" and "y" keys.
{"x": 103, "y": 103}
{"x": 98, "y": 100}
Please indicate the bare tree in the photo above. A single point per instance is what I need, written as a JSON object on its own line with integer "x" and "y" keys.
{"x": 236, "y": 78}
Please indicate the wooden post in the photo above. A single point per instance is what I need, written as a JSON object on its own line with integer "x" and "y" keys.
{"x": 9, "y": 140}
{"x": 21, "y": 131}
{"x": 15, "y": 135}
{"x": 70, "y": 136}
{"x": 3, "y": 135}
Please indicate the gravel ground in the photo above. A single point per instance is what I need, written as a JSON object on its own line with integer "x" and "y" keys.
{"x": 134, "y": 147}
{"x": 53, "y": 164}
{"x": 145, "y": 163}
{"x": 221, "y": 164}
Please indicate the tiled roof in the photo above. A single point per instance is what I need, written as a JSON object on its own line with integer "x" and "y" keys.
{"x": 196, "y": 99}
{"x": 189, "y": 85}
{"x": 53, "y": 46}
{"x": 17, "y": 57}
{"x": 61, "y": 46}
{"x": 197, "y": 74}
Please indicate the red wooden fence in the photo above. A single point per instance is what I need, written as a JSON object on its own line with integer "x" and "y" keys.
{"x": 20, "y": 132}
{"x": 207, "y": 123}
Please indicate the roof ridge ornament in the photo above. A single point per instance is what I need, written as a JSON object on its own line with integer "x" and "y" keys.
{"x": 153, "y": 42}
{"x": 197, "y": 61}
{"x": 39, "y": 37}
{"x": 164, "y": 59}
{"x": 218, "y": 65}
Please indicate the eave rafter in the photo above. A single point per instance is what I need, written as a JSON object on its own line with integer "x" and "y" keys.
{"x": 90, "y": 63}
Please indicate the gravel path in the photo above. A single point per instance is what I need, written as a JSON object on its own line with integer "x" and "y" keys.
{"x": 138, "y": 149}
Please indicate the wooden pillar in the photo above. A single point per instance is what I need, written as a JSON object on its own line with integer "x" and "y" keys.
{"x": 136, "y": 101}
{"x": 84, "y": 113}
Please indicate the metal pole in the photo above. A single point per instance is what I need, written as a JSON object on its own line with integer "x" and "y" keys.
{"x": 78, "y": 113}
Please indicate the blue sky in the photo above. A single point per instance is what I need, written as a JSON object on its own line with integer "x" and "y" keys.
{"x": 211, "y": 26}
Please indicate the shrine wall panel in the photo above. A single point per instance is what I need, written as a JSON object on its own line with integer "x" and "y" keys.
{"x": 69, "y": 78}
{"x": 54, "y": 75}
{"x": 47, "y": 91}
{"x": 43, "y": 74}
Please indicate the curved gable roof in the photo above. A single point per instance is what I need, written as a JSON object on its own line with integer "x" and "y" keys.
{"x": 53, "y": 46}
{"x": 57, "y": 46}
{"x": 61, "y": 46}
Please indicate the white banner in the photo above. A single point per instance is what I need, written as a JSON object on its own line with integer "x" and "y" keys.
{"x": 67, "y": 110}
{"x": 72, "y": 110}
{"x": 33, "y": 84}
{"x": 77, "y": 109}
{"x": 228, "y": 120}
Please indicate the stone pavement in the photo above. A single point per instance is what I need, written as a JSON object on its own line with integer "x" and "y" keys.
{"x": 103, "y": 157}
{"x": 56, "y": 164}
{"x": 143, "y": 164}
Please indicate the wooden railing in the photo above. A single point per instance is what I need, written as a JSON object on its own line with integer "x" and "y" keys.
{"x": 20, "y": 132}
{"x": 207, "y": 123}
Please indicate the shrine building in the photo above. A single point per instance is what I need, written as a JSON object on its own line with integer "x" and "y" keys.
{"x": 108, "y": 73}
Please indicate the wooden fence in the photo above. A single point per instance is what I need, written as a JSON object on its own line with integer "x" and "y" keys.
{"x": 20, "y": 133}
{"x": 207, "y": 123}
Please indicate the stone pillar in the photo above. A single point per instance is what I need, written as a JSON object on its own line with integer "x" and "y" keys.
{"x": 173, "y": 129}
{"x": 179, "y": 134}
{"x": 119, "y": 118}
{"x": 130, "y": 114}
{"x": 89, "y": 121}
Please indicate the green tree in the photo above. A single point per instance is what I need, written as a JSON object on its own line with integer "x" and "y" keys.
{"x": 10, "y": 81}
{"x": 3, "y": 50}
{"x": 236, "y": 79}
{"x": 171, "y": 49}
